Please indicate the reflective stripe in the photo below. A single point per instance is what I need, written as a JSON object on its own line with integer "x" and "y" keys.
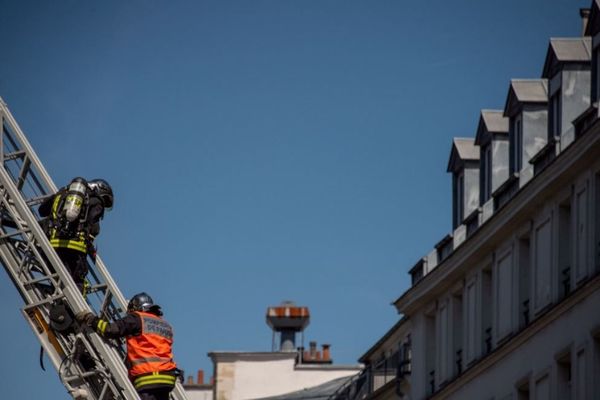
{"x": 69, "y": 244}
{"x": 154, "y": 379}
{"x": 102, "y": 326}
{"x": 55, "y": 204}
{"x": 149, "y": 360}
{"x": 154, "y": 325}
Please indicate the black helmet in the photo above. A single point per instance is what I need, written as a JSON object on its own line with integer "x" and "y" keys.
{"x": 140, "y": 302}
{"x": 103, "y": 190}
{"x": 143, "y": 302}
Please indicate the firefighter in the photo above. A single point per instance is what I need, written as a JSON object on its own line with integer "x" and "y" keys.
{"x": 72, "y": 222}
{"x": 149, "y": 345}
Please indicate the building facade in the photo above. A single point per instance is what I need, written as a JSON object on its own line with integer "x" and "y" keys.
{"x": 504, "y": 306}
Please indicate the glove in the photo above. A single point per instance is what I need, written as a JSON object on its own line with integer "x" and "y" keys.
{"x": 86, "y": 318}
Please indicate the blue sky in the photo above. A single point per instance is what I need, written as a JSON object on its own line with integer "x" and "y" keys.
{"x": 260, "y": 151}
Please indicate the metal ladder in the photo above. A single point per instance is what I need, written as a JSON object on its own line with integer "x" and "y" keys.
{"x": 88, "y": 366}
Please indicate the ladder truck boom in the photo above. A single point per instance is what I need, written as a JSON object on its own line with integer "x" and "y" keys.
{"x": 88, "y": 366}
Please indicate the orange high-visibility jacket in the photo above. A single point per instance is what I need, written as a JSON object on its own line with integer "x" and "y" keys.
{"x": 151, "y": 351}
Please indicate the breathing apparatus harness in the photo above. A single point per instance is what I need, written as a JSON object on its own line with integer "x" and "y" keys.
{"x": 70, "y": 212}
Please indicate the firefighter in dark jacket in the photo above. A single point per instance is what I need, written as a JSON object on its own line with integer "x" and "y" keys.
{"x": 72, "y": 222}
{"x": 149, "y": 345}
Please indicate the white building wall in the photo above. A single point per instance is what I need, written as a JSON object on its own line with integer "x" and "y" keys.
{"x": 535, "y": 359}
{"x": 242, "y": 376}
{"x": 199, "y": 394}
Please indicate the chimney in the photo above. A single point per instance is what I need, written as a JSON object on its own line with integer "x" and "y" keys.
{"x": 326, "y": 352}
{"x": 200, "y": 377}
{"x": 287, "y": 319}
{"x": 585, "y": 16}
{"x": 312, "y": 350}
{"x": 190, "y": 380}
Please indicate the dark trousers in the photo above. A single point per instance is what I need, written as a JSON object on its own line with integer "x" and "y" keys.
{"x": 155, "y": 394}
{"x": 76, "y": 263}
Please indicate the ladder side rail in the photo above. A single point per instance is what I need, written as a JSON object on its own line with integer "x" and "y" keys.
{"x": 117, "y": 295}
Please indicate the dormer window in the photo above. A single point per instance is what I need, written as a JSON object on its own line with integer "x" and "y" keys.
{"x": 493, "y": 140}
{"x": 464, "y": 166}
{"x": 568, "y": 71}
{"x": 527, "y": 108}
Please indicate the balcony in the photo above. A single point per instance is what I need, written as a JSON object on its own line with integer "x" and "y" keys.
{"x": 377, "y": 377}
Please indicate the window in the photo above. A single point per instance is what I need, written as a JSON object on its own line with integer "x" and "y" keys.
{"x": 581, "y": 235}
{"x": 555, "y": 114}
{"x": 523, "y": 390}
{"x": 486, "y": 309}
{"x": 524, "y": 267}
{"x": 517, "y": 144}
{"x": 504, "y": 294}
{"x": 563, "y": 376}
{"x": 404, "y": 367}
{"x": 596, "y": 363}
{"x": 542, "y": 264}
{"x": 596, "y": 72}
{"x": 564, "y": 248}
{"x": 430, "y": 338}
{"x": 596, "y": 202}
{"x": 471, "y": 317}
{"x": 486, "y": 173}
{"x": 443, "y": 341}
{"x": 457, "y": 333}
{"x": 459, "y": 198}
{"x": 580, "y": 375}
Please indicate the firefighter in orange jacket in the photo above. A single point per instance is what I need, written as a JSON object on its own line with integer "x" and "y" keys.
{"x": 149, "y": 345}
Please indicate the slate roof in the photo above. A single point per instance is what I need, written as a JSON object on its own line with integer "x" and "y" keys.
{"x": 567, "y": 50}
{"x": 463, "y": 149}
{"x": 525, "y": 91}
{"x": 572, "y": 49}
{"x": 466, "y": 148}
{"x": 322, "y": 391}
{"x": 530, "y": 90}
{"x": 490, "y": 121}
{"x": 495, "y": 121}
